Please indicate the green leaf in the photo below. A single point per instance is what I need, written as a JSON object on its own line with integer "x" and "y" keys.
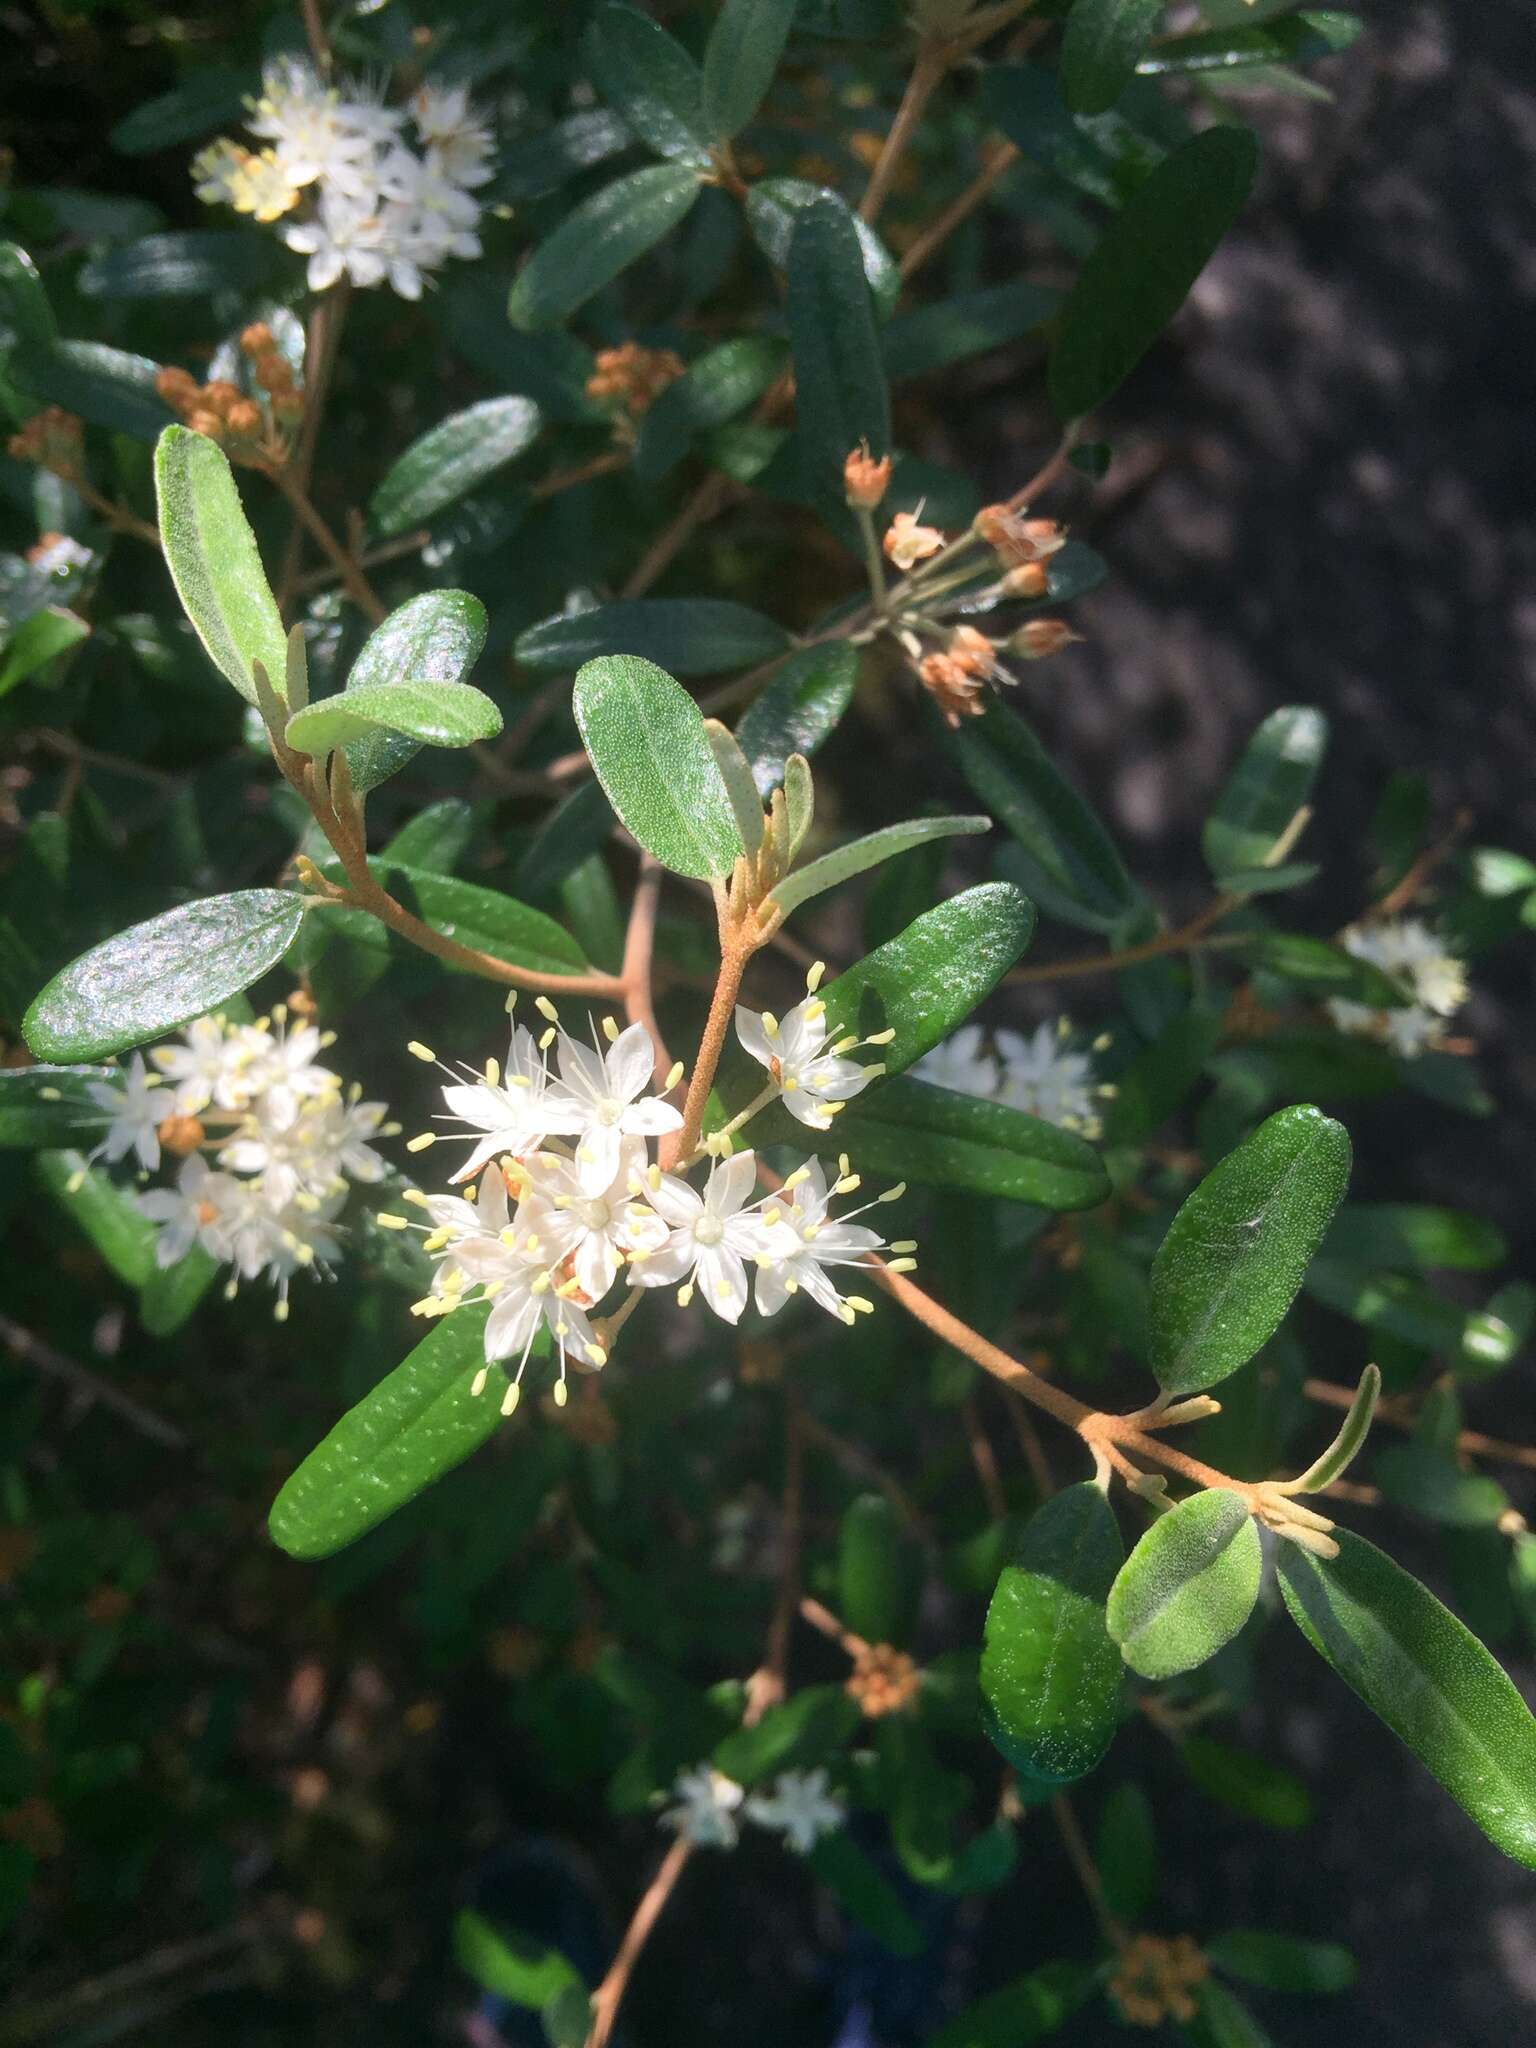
{"x": 211, "y": 554}
{"x": 1427, "y": 1677}
{"x": 809, "y": 1729}
{"x": 1162, "y": 1074}
{"x": 1188, "y": 1586}
{"x": 1067, "y": 861}
{"x": 1235, "y": 1253}
{"x": 1126, "y": 1853}
{"x": 48, "y": 1105}
{"x": 173, "y": 266}
{"x": 514, "y": 1966}
{"x": 604, "y": 236}
{"x": 26, "y": 318}
{"x": 842, "y": 1866}
{"x": 844, "y": 862}
{"x": 106, "y": 386}
{"x": 1350, "y": 1440}
{"x": 1145, "y": 262}
{"x": 840, "y": 392}
{"x": 1286, "y": 39}
{"x": 416, "y": 1425}
{"x": 1417, "y": 1476}
{"x": 746, "y": 804}
{"x": 435, "y": 714}
{"x": 1401, "y": 1305}
{"x": 651, "y": 79}
{"x": 647, "y": 742}
{"x": 1099, "y": 51}
{"x": 1051, "y": 1677}
{"x": 435, "y": 838}
{"x": 172, "y": 1293}
{"x": 39, "y": 640}
{"x": 712, "y": 390}
{"x": 1247, "y": 1783}
{"x": 450, "y": 459}
{"x": 202, "y": 101}
{"x": 800, "y": 706}
{"x": 1282, "y": 1962}
{"x": 1320, "y": 966}
{"x": 953, "y": 330}
{"x": 436, "y": 638}
{"x": 1272, "y": 781}
{"x": 569, "y": 837}
{"x": 107, "y": 1215}
{"x": 879, "y": 1571}
{"x": 1225, "y": 2023}
{"x": 688, "y": 636}
{"x": 1408, "y": 1236}
{"x": 476, "y": 916}
{"x": 567, "y": 2017}
{"x": 1029, "y": 2009}
{"x": 775, "y": 204}
{"x": 158, "y": 975}
{"x": 740, "y": 58}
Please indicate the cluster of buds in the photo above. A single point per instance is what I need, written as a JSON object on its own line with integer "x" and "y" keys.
{"x": 1155, "y": 1979}
{"x": 631, "y": 377}
{"x": 53, "y": 439}
{"x": 244, "y": 423}
{"x": 955, "y": 678}
{"x": 883, "y": 1680}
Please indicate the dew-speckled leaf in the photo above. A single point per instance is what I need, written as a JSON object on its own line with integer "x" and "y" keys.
{"x": 1103, "y": 40}
{"x": 648, "y": 744}
{"x": 25, "y": 314}
{"x": 797, "y": 709}
{"x": 436, "y": 637}
{"x": 687, "y": 636}
{"x": 841, "y": 400}
{"x": 1188, "y": 1586}
{"x": 1424, "y": 1674}
{"x": 155, "y": 976}
{"x": 416, "y": 1425}
{"x": 211, "y": 554}
{"x": 1272, "y": 781}
{"x": 652, "y": 81}
{"x": 1235, "y": 1254}
{"x": 740, "y": 58}
{"x": 435, "y": 714}
{"x": 48, "y": 1105}
{"x": 103, "y": 1210}
{"x": 1051, "y": 1677}
{"x": 844, "y": 862}
{"x": 601, "y": 238}
{"x": 450, "y": 459}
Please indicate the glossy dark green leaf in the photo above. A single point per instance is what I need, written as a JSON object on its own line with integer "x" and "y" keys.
{"x": 687, "y": 636}
{"x": 1473, "y": 1341}
{"x": 860, "y": 1886}
{"x": 172, "y": 1294}
{"x": 841, "y": 399}
{"x": 1431, "y": 1483}
{"x": 451, "y": 459}
{"x": 651, "y": 79}
{"x": 797, "y": 1734}
{"x": 647, "y": 742}
{"x": 775, "y": 204}
{"x": 742, "y": 55}
{"x": 105, "y": 1212}
{"x": 1272, "y": 781}
{"x": 1066, "y": 859}
{"x": 1051, "y": 1676}
{"x": 953, "y": 330}
{"x": 1103, "y": 40}
{"x": 160, "y": 974}
{"x": 212, "y": 556}
{"x": 1408, "y": 1236}
{"x": 1299, "y": 38}
{"x": 436, "y": 837}
{"x": 106, "y": 386}
{"x": 476, "y": 916}
{"x": 1144, "y": 265}
{"x": 801, "y": 704}
{"x": 1235, "y": 1254}
{"x": 48, "y": 1105}
{"x": 180, "y": 266}
{"x": 712, "y": 390}
{"x": 1429, "y": 1678}
{"x": 26, "y": 318}
{"x": 416, "y": 1425}
{"x": 604, "y": 236}
{"x": 832, "y": 869}
{"x": 202, "y": 101}
{"x": 511, "y": 1965}
{"x": 568, "y": 838}
{"x": 433, "y": 714}
{"x": 1188, "y": 1586}
{"x": 1247, "y": 1783}
{"x": 436, "y": 637}
{"x": 1282, "y": 1962}
{"x": 1224, "y": 2022}
{"x": 879, "y": 1571}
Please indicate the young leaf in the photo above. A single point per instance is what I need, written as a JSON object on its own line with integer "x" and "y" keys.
{"x": 746, "y": 804}
{"x": 435, "y": 714}
{"x": 652, "y": 755}
{"x": 1188, "y": 1586}
{"x": 1272, "y": 781}
{"x": 710, "y": 391}
{"x": 844, "y": 862}
{"x": 1347, "y": 1445}
{"x": 1103, "y": 40}
{"x": 742, "y": 55}
{"x": 434, "y": 638}
{"x": 450, "y": 459}
{"x": 591, "y": 246}
{"x": 798, "y": 709}
{"x": 211, "y": 554}
{"x": 840, "y": 392}
{"x": 775, "y": 204}
{"x": 687, "y": 636}
{"x": 104, "y": 1211}
{"x": 155, "y": 976}
{"x": 1429, "y": 1678}
{"x": 652, "y": 80}
{"x": 47, "y": 1105}
{"x": 513, "y": 1966}
{"x": 1142, "y": 269}
{"x": 416, "y": 1425}
{"x": 879, "y": 1571}
{"x": 1051, "y": 1677}
{"x": 1235, "y": 1253}
{"x": 1281, "y": 1962}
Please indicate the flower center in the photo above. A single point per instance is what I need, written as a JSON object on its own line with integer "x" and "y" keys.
{"x": 609, "y": 1112}
{"x": 595, "y": 1214}
{"x": 708, "y": 1230}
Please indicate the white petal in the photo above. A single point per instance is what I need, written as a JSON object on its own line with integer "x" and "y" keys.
{"x": 723, "y": 1281}
{"x": 753, "y": 1035}
{"x": 771, "y": 1290}
{"x": 650, "y": 1118}
{"x": 676, "y": 1200}
{"x": 511, "y": 1324}
{"x": 631, "y": 1063}
{"x": 670, "y": 1264}
{"x": 731, "y": 1184}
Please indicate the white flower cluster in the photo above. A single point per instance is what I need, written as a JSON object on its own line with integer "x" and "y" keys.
{"x": 285, "y": 1139}
{"x": 800, "y": 1807}
{"x": 1040, "y": 1074}
{"x": 376, "y": 208}
{"x": 569, "y": 1198}
{"x": 1414, "y": 954}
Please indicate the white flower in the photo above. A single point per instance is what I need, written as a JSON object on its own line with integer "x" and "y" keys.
{"x": 1412, "y": 952}
{"x": 262, "y": 187}
{"x": 804, "y": 1242}
{"x": 814, "y": 1077}
{"x": 210, "y": 1066}
{"x": 192, "y": 1212}
{"x": 960, "y": 1063}
{"x": 1042, "y": 1076}
{"x": 314, "y": 135}
{"x": 58, "y": 555}
{"x": 607, "y": 1089}
{"x": 705, "y": 1813}
{"x": 458, "y": 143}
{"x": 134, "y": 1112}
{"x": 594, "y": 1232}
{"x": 711, "y": 1237}
{"x": 515, "y": 1108}
{"x": 801, "y": 1808}
{"x": 342, "y": 239}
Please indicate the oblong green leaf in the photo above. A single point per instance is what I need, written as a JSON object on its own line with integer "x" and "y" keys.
{"x": 740, "y": 58}
{"x": 687, "y": 636}
{"x": 436, "y": 637}
{"x": 952, "y": 330}
{"x": 416, "y": 1425}
{"x": 202, "y": 101}
{"x": 797, "y": 709}
{"x": 435, "y": 714}
{"x": 1408, "y": 1236}
{"x": 513, "y": 1966}
{"x": 211, "y": 554}
{"x": 1285, "y": 39}
{"x": 180, "y": 265}
{"x": 1103, "y": 40}
{"x": 1403, "y": 1305}
{"x": 171, "y": 1294}
{"x": 36, "y": 642}
{"x": 860, "y": 1886}
{"x": 648, "y": 745}
{"x": 879, "y": 1571}
{"x": 795, "y": 1734}
{"x": 652, "y": 81}
{"x": 1281, "y": 1962}
{"x": 1235, "y": 1253}
{"x": 844, "y": 862}
{"x": 1429, "y": 1678}
{"x": 104, "y": 1211}
{"x": 1249, "y": 1784}
{"x": 841, "y": 399}
{"x": 106, "y": 386}
{"x": 1349, "y": 1441}
{"x": 1272, "y": 781}
{"x": 1319, "y": 966}
{"x": 48, "y": 1105}
{"x": 1427, "y": 1480}
{"x": 450, "y": 459}
{"x": 774, "y": 205}
{"x": 1142, "y": 269}
{"x": 1051, "y": 1677}
{"x": 24, "y": 309}
{"x": 158, "y": 975}
{"x": 591, "y": 246}
{"x": 1188, "y": 1586}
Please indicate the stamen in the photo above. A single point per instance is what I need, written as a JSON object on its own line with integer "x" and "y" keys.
{"x": 492, "y": 1072}
{"x": 770, "y": 1024}
{"x": 546, "y": 1008}
{"x": 422, "y": 1052}
{"x": 477, "y": 1384}
{"x": 387, "y": 1222}
{"x": 562, "y": 1392}
{"x": 813, "y": 978}
{"x": 674, "y": 1075}
{"x": 685, "y": 1294}
{"x": 420, "y": 1144}
{"x": 610, "y": 1030}
{"x": 893, "y": 1194}
{"x": 511, "y": 1397}
{"x": 881, "y": 1037}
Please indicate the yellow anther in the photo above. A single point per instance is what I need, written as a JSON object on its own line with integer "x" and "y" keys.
{"x": 903, "y": 1245}
{"x": 387, "y": 1222}
{"x": 813, "y": 978}
{"x": 860, "y": 1303}
{"x": 893, "y": 1194}
{"x": 492, "y": 1072}
{"x": 477, "y": 1384}
{"x": 414, "y": 1196}
{"x": 280, "y": 1311}
{"x": 548, "y": 1039}
{"x": 901, "y": 1266}
{"x": 881, "y": 1037}
{"x": 848, "y": 1183}
{"x": 814, "y": 1012}
{"x": 685, "y": 1294}
{"x": 610, "y": 1032}
{"x": 595, "y": 1354}
{"x": 546, "y": 1008}
{"x": 674, "y": 1075}
{"x": 562, "y": 1393}
{"x": 422, "y": 1052}
{"x": 420, "y": 1144}
{"x": 800, "y": 1175}
{"x": 770, "y": 1024}
{"x": 511, "y": 1397}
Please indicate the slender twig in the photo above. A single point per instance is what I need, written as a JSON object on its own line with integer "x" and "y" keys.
{"x": 734, "y": 954}
{"x": 823, "y": 1619}
{"x": 857, "y": 1461}
{"x": 90, "y": 1386}
{"x": 1084, "y": 1867}
{"x": 609, "y": 1995}
{"x": 1186, "y": 939}
{"x": 919, "y": 253}
{"x": 322, "y": 350}
{"x": 345, "y": 563}
{"x": 926, "y": 76}
{"x": 984, "y": 1458}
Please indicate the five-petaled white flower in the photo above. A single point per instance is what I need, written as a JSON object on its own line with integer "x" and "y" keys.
{"x": 607, "y": 1089}
{"x": 705, "y": 1813}
{"x": 712, "y": 1236}
{"x": 134, "y": 1111}
{"x": 192, "y": 1212}
{"x": 514, "y": 1108}
{"x": 804, "y": 1242}
{"x": 960, "y": 1062}
{"x": 595, "y": 1232}
{"x": 814, "y": 1076}
{"x": 800, "y": 1807}
{"x": 1043, "y": 1076}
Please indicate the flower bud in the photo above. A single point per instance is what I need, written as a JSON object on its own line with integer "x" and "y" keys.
{"x": 244, "y": 419}
{"x": 181, "y": 1135}
{"x": 220, "y": 395}
{"x": 1037, "y": 638}
{"x": 957, "y": 693}
{"x": 972, "y": 652}
{"x": 288, "y": 407}
{"x": 257, "y": 339}
{"x": 272, "y": 371}
{"x": 179, "y": 388}
{"x": 865, "y": 481}
{"x": 1027, "y": 579}
{"x": 204, "y": 422}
